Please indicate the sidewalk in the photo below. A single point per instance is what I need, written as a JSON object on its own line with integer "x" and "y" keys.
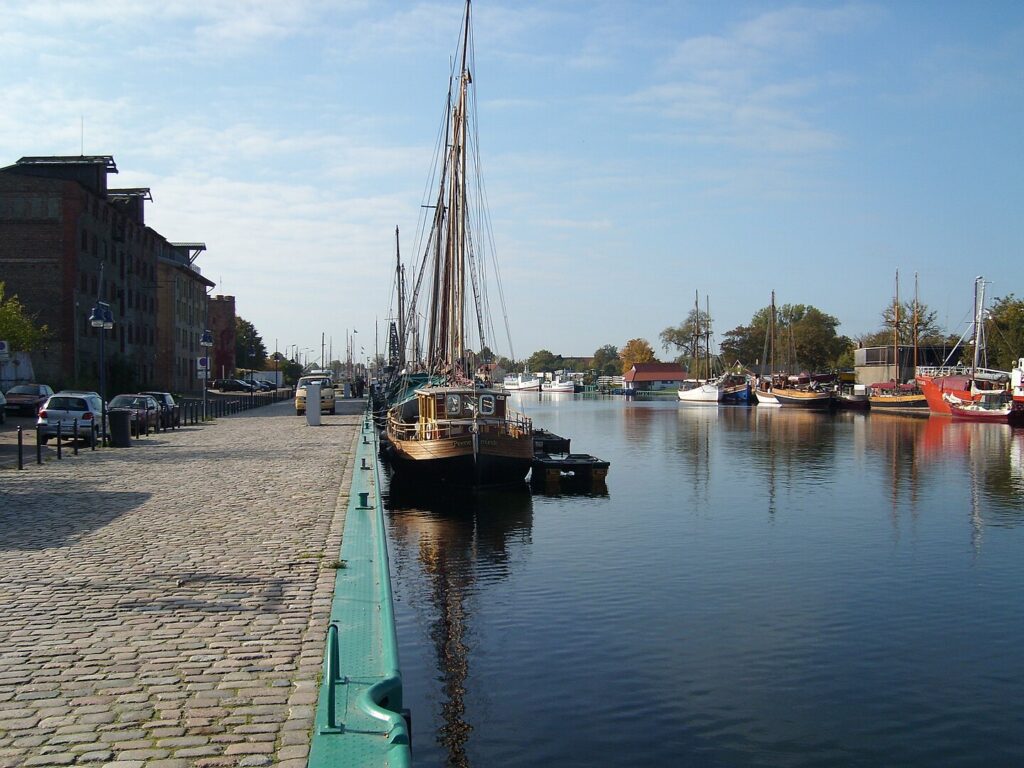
{"x": 166, "y": 604}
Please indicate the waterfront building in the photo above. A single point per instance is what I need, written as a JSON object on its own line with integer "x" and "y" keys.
{"x": 222, "y": 324}
{"x": 182, "y": 317}
{"x": 647, "y": 377}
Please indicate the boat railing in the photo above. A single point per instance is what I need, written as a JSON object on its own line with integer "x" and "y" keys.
{"x": 960, "y": 370}
{"x": 514, "y": 426}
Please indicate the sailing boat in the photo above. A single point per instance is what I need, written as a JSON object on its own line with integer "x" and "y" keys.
{"x": 763, "y": 391}
{"x": 451, "y": 430}
{"x": 895, "y": 397}
{"x": 943, "y": 385}
{"x": 700, "y": 391}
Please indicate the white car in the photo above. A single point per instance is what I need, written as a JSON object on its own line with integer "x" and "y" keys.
{"x": 64, "y": 408}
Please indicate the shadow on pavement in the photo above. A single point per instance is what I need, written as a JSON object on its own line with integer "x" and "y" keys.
{"x": 38, "y": 518}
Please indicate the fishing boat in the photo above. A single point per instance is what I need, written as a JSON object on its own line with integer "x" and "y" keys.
{"x": 965, "y": 384}
{"x": 451, "y": 430}
{"x": 895, "y": 396}
{"x": 853, "y": 397}
{"x": 990, "y": 407}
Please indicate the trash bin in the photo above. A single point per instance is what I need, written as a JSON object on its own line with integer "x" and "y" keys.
{"x": 120, "y": 424}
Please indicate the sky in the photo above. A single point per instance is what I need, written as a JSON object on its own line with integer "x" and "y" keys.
{"x": 634, "y": 153}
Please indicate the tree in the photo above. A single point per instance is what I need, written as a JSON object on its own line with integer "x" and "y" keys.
{"x": 246, "y": 339}
{"x": 690, "y": 338}
{"x": 1004, "y": 334}
{"x": 543, "y": 360}
{"x": 17, "y": 328}
{"x": 808, "y": 338}
{"x": 606, "y": 360}
{"x": 636, "y": 351}
{"x": 290, "y": 370}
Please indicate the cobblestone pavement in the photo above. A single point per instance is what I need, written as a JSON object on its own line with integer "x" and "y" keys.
{"x": 165, "y": 604}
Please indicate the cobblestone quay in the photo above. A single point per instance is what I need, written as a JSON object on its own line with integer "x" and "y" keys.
{"x": 166, "y": 604}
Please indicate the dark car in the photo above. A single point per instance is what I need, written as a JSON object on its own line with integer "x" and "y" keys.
{"x": 170, "y": 413}
{"x": 27, "y": 398}
{"x": 229, "y": 385}
{"x": 144, "y": 409}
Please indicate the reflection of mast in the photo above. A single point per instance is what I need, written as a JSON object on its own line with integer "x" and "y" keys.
{"x": 459, "y": 540}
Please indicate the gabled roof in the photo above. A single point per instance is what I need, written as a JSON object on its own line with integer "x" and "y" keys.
{"x": 655, "y": 372}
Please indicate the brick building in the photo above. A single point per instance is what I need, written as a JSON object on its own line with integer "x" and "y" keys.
{"x": 68, "y": 240}
{"x": 222, "y": 324}
{"x": 182, "y": 301}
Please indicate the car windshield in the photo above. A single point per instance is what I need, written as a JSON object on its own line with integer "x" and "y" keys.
{"x": 23, "y": 389}
{"x": 67, "y": 404}
{"x": 122, "y": 401}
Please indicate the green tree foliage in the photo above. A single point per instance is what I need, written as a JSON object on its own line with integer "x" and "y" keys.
{"x": 1005, "y": 332}
{"x": 689, "y": 339}
{"x": 928, "y": 331}
{"x": 606, "y": 360}
{"x": 636, "y": 351}
{"x": 805, "y": 338}
{"x": 290, "y": 369}
{"x": 16, "y": 327}
{"x": 543, "y": 360}
{"x": 250, "y": 351}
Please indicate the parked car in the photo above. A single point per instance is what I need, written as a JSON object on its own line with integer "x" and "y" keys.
{"x": 170, "y": 412}
{"x": 27, "y": 398}
{"x": 62, "y": 409}
{"x": 145, "y": 411}
{"x": 3, "y": 410}
{"x": 229, "y": 385}
{"x": 265, "y": 386}
{"x": 326, "y": 394}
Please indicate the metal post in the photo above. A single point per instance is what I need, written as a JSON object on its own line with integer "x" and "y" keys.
{"x": 21, "y": 445}
{"x": 74, "y": 442}
{"x": 39, "y": 446}
{"x": 59, "y": 456}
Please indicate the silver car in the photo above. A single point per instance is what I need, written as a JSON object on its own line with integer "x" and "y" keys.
{"x": 64, "y": 408}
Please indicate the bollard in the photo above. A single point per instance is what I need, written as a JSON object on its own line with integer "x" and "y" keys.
{"x": 39, "y": 446}
{"x": 365, "y": 465}
{"x": 21, "y": 445}
{"x": 59, "y": 455}
{"x": 74, "y": 442}
{"x": 364, "y": 500}
{"x": 92, "y": 437}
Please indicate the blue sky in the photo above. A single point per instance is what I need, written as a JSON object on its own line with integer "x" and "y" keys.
{"x": 633, "y": 152}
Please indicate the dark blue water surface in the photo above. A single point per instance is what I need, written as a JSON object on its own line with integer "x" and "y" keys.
{"x": 753, "y": 587}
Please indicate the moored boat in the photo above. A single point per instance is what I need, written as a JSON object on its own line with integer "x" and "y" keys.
{"x": 811, "y": 399}
{"x": 558, "y": 386}
{"x": 450, "y": 430}
{"x": 699, "y": 392}
{"x": 992, "y": 408}
{"x": 522, "y": 382}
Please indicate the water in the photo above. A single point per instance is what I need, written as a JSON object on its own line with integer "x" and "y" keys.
{"x": 755, "y": 587}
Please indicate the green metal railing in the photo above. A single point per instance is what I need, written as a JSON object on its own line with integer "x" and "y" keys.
{"x": 359, "y": 717}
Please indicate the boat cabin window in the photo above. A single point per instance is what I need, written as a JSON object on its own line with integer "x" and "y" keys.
{"x": 486, "y": 405}
{"x": 453, "y": 405}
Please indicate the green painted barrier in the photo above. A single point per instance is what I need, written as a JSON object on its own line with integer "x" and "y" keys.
{"x": 359, "y": 717}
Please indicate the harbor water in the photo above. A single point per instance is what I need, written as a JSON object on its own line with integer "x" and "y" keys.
{"x": 752, "y": 587}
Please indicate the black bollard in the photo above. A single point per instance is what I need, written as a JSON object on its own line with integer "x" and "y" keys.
{"x": 21, "y": 445}
{"x": 39, "y": 446}
{"x": 74, "y": 442}
{"x": 59, "y": 455}
{"x": 92, "y": 437}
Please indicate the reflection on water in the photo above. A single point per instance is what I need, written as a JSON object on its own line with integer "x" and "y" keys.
{"x": 754, "y": 587}
{"x": 454, "y": 539}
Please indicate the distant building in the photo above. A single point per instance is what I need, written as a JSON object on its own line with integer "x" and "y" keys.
{"x": 654, "y": 376}
{"x": 872, "y": 365}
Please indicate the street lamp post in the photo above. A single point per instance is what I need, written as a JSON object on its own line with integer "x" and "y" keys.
{"x": 206, "y": 341}
{"x": 252, "y": 361}
{"x": 103, "y": 320}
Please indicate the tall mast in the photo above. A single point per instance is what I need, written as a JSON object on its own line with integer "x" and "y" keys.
{"x": 400, "y": 280}
{"x": 772, "y": 331}
{"x": 896, "y": 328}
{"x": 979, "y": 319}
{"x": 915, "y": 325}
{"x": 707, "y": 340}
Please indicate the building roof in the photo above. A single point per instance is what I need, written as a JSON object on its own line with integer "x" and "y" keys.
{"x": 655, "y": 372}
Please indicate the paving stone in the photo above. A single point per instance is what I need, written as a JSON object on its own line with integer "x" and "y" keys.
{"x": 132, "y": 619}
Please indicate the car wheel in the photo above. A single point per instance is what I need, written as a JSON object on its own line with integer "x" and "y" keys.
{"x": 299, "y": 413}
{"x": 44, "y": 440}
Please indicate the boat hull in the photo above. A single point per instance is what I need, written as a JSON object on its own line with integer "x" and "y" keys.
{"x": 917, "y": 403}
{"x": 765, "y": 398}
{"x": 702, "y": 394}
{"x": 1013, "y": 415}
{"x": 499, "y": 459}
{"x": 812, "y": 401}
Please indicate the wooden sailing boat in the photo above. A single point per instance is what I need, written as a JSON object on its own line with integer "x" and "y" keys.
{"x": 451, "y": 430}
{"x": 700, "y": 391}
{"x": 763, "y": 390}
{"x": 896, "y": 397}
